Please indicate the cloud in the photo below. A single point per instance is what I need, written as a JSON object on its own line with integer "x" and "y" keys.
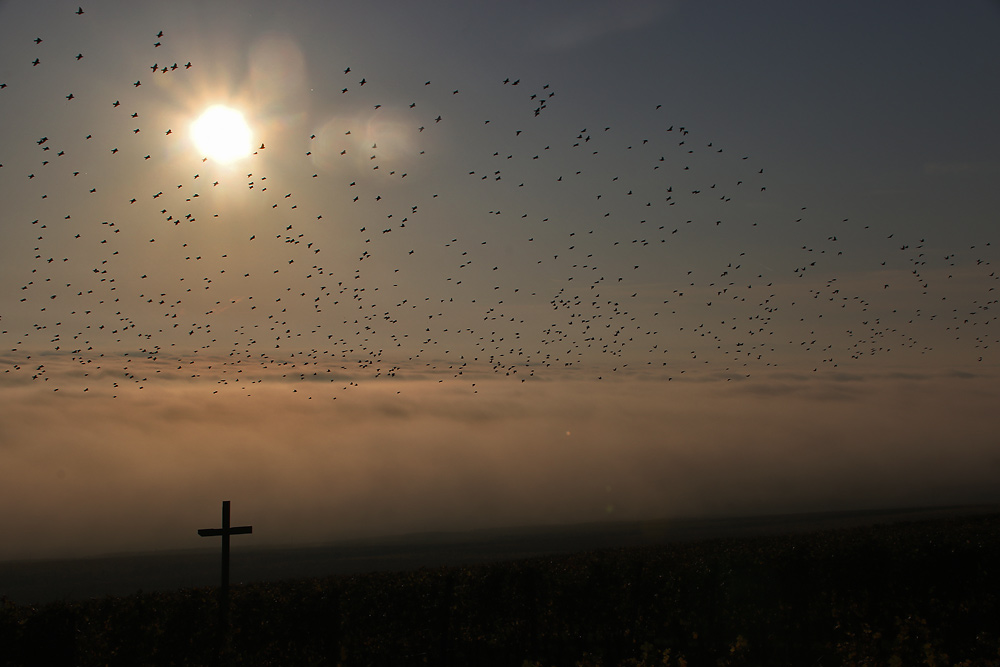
{"x": 956, "y": 168}
{"x": 588, "y": 22}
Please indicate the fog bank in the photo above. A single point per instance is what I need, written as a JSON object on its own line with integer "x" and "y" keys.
{"x": 144, "y": 471}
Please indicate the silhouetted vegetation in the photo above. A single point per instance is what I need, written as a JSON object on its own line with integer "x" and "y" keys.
{"x": 902, "y": 594}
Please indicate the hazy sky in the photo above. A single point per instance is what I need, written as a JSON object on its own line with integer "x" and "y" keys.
{"x": 491, "y": 264}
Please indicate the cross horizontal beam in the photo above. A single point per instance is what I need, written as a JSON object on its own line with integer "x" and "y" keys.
{"x": 235, "y": 530}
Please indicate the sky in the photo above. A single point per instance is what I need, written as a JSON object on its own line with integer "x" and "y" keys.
{"x": 491, "y": 264}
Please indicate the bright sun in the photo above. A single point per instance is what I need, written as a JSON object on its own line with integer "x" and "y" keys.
{"x": 221, "y": 134}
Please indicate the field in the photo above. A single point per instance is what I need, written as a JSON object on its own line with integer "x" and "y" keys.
{"x": 903, "y": 593}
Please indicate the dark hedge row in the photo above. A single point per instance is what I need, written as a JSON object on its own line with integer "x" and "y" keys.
{"x": 904, "y": 594}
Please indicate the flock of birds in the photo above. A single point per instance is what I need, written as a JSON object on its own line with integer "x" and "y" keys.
{"x": 381, "y": 250}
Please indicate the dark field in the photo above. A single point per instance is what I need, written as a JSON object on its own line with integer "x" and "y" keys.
{"x": 906, "y": 589}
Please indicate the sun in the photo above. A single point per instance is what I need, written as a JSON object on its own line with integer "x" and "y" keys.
{"x": 222, "y": 134}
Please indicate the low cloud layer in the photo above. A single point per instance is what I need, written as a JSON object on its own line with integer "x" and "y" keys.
{"x": 90, "y": 474}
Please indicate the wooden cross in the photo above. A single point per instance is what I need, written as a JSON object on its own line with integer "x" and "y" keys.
{"x": 225, "y": 532}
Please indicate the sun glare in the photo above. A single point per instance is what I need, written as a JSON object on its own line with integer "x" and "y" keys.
{"x": 222, "y": 134}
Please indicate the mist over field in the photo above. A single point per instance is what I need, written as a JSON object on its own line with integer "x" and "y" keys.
{"x": 145, "y": 470}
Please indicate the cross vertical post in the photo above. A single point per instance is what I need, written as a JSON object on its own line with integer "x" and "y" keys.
{"x": 224, "y": 532}
{"x": 225, "y": 546}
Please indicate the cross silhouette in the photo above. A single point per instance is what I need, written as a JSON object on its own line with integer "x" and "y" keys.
{"x": 225, "y": 532}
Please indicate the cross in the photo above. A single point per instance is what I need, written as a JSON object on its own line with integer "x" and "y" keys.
{"x": 225, "y": 532}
